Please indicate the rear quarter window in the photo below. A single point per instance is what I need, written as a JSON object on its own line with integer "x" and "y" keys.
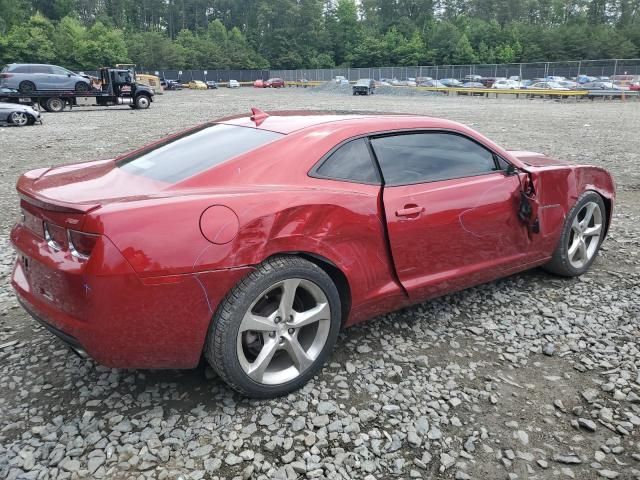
{"x": 196, "y": 152}
{"x": 350, "y": 162}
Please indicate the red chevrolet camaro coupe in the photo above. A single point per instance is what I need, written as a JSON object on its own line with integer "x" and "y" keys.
{"x": 252, "y": 240}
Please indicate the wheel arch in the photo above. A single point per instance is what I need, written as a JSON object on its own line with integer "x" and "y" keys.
{"x": 337, "y": 276}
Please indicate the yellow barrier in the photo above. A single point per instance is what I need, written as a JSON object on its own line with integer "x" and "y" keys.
{"x": 517, "y": 92}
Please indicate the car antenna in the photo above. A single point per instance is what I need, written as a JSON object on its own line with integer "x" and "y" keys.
{"x": 258, "y": 116}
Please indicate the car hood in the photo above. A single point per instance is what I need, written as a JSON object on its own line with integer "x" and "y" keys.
{"x": 534, "y": 159}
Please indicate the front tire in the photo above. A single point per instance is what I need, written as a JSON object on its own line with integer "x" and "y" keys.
{"x": 142, "y": 102}
{"x": 19, "y": 119}
{"x": 581, "y": 237}
{"x": 275, "y": 329}
{"x": 82, "y": 87}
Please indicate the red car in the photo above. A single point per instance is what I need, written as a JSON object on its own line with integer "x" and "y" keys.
{"x": 259, "y": 83}
{"x": 274, "y": 83}
{"x": 253, "y": 240}
{"x": 634, "y": 86}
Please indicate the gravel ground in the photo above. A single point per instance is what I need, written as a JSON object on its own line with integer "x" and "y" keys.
{"x": 530, "y": 377}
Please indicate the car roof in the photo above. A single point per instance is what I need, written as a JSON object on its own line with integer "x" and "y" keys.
{"x": 287, "y": 122}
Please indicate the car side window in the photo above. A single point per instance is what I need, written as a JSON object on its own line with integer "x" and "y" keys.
{"x": 40, "y": 69}
{"x": 352, "y": 162}
{"x": 431, "y": 156}
{"x": 59, "y": 71}
{"x": 22, "y": 69}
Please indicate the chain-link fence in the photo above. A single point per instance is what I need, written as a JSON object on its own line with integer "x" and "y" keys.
{"x": 596, "y": 68}
{"x": 569, "y": 69}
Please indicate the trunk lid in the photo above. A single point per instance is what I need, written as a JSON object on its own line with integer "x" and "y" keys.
{"x": 81, "y": 188}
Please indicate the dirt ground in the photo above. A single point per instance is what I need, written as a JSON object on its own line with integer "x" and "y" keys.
{"x": 455, "y": 388}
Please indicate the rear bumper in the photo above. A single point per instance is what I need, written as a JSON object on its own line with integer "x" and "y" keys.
{"x": 68, "y": 340}
{"x": 106, "y": 310}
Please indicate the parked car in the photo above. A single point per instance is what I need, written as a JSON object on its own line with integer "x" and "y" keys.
{"x": 31, "y": 77}
{"x": 197, "y": 85}
{"x": 432, "y": 84}
{"x": 212, "y": 84}
{"x": 472, "y": 85}
{"x": 341, "y": 80}
{"x": 570, "y": 84}
{"x": 597, "y": 85}
{"x": 262, "y": 270}
{"x": 18, "y": 115}
{"x": 634, "y": 86}
{"x": 472, "y": 78}
{"x": 233, "y": 84}
{"x": 259, "y": 83}
{"x": 450, "y": 82}
{"x": 364, "y": 86}
{"x": 173, "y": 85}
{"x": 275, "y": 83}
{"x": 546, "y": 86}
{"x": 526, "y": 83}
{"x": 302, "y": 82}
{"x": 505, "y": 84}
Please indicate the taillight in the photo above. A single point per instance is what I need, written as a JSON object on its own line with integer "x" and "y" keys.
{"x": 5, "y": 75}
{"x": 81, "y": 244}
{"x": 55, "y": 236}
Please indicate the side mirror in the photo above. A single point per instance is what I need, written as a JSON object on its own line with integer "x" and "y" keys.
{"x": 510, "y": 170}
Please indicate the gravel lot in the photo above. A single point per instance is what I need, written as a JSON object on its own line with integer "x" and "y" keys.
{"x": 530, "y": 377}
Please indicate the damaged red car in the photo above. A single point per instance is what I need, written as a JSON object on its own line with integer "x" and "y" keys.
{"x": 253, "y": 240}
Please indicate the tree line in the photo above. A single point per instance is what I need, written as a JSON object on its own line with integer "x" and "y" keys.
{"x": 290, "y": 34}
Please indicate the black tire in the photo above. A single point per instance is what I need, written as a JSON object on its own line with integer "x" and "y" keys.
{"x": 221, "y": 349}
{"x": 560, "y": 263}
{"x": 82, "y": 87}
{"x": 142, "y": 102}
{"x": 54, "y": 105}
{"x": 27, "y": 87}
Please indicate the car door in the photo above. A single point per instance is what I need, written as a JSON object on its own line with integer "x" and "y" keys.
{"x": 61, "y": 79}
{"x": 451, "y": 209}
{"x": 41, "y": 77}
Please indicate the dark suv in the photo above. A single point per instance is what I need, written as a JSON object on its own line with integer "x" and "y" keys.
{"x": 30, "y": 77}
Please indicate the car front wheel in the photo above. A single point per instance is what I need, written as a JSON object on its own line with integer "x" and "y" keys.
{"x": 581, "y": 237}
{"x": 19, "y": 119}
{"x": 276, "y": 328}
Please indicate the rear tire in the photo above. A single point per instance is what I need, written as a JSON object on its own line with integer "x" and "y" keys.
{"x": 27, "y": 87}
{"x": 54, "y": 105}
{"x": 581, "y": 237}
{"x": 275, "y": 329}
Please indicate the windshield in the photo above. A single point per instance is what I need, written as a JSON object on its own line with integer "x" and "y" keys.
{"x": 196, "y": 152}
{"x": 364, "y": 82}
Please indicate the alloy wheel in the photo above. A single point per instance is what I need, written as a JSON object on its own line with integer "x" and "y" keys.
{"x": 284, "y": 331}
{"x": 19, "y": 119}
{"x": 585, "y": 235}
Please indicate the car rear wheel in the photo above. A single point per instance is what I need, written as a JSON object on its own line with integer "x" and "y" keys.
{"x": 54, "y": 105}
{"x": 19, "y": 119}
{"x": 27, "y": 87}
{"x": 276, "y": 328}
{"x": 581, "y": 237}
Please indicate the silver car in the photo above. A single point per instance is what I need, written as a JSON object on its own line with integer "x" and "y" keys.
{"x": 18, "y": 115}
{"x": 31, "y": 77}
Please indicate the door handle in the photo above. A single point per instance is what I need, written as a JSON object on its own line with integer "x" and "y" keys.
{"x": 409, "y": 211}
